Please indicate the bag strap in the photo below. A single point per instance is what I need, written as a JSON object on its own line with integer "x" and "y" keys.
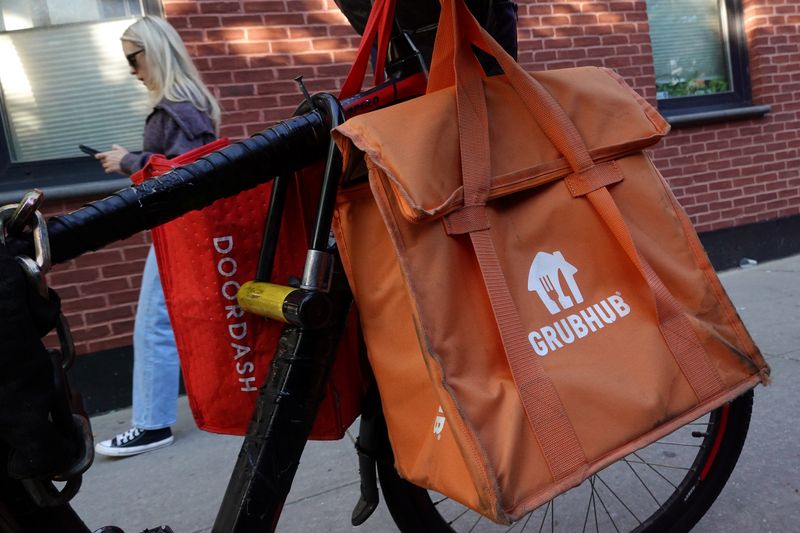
{"x": 544, "y": 410}
{"x": 675, "y": 327}
{"x": 379, "y": 23}
{"x": 454, "y": 63}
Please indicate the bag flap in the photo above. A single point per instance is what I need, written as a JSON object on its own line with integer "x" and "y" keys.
{"x": 416, "y": 143}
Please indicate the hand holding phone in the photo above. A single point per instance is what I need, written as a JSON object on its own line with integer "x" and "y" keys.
{"x": 88, "y": 150}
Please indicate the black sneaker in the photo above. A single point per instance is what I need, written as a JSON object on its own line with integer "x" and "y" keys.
{"x": 135, "y": 441}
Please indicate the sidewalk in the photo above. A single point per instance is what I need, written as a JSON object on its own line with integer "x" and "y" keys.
{"x": 182, "y": 485}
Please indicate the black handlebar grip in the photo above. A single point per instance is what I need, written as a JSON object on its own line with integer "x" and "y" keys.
{"x": 282, "y": 149}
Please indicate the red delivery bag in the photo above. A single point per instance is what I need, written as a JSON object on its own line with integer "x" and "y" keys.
{"x": 225, "y": 353}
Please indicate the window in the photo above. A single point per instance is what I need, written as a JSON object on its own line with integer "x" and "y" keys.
{"x": 699, "y": 55}
{"x": 65, "y": 82}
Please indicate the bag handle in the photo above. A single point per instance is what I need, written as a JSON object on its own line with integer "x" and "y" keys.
{"x": 379, "y": 23}
{"x": 454, "y": 64}
{"x": 453, "y": 61}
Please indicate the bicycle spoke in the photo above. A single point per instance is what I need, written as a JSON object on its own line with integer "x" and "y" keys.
{"x": 596, "y": 522}
{"x": 679, "y": 444}
{"x": 662, "y": 476}
{"x": 619, "y": 499}
{"x": 635, "y": 473}
{"x": 544, "y": 517}
{"x": 605, "y": 508}
{"x": 589, "y": 505}
{"x": 684, "y": 468}
{"x": 475, "y": 524}
{"x": 530, "y": 515}
{"x": 465, "y": 511}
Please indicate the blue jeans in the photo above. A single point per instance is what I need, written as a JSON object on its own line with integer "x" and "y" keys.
{"x": 155, "y": 357}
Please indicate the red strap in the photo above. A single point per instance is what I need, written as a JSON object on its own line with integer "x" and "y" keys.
{"x": 158, "y": 164}
{"x": 380, "y": 23}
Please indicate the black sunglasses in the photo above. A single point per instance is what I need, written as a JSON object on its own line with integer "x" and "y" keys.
{"x": 132, "y": 58}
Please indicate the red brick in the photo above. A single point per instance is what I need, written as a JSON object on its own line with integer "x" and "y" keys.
{"x": 121, "y": 269}
{"x": 270, "y": 60}
{"x": 135, "y": 253}
{"x": 258, "y": 103}
{"x": 172, "y": 9}
{"x": 90, "y": 333}
{"x": 246, "y": 48}
{"x": 202, "y": 21}
{"x": 305, "y": 5}
{"x": 105, "y": 287}
{"x": 236, "y": 90}
{"x": 220, "y": 7}
{"x": 330, "y": 44}
{"x": 317, "y": 58}
{"x": 244, "y": 21}
{"x": 212, "y": 49}
{"x": 312, "y": 31}
{"x": 84, "y": 304}
{"x": 270, "y": 6}
{"x": 110, "y": 314}
{"x": 286, "y": 19}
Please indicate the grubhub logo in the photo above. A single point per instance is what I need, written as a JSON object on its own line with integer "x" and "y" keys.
{"x": 545, "y": 278}
{"x": 552, "y": 278}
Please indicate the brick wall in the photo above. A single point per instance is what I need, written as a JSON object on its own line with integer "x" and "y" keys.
{"x": 724, "y": 174}
{"x": 249, "y": 51}
{"x": 744, "y": 172}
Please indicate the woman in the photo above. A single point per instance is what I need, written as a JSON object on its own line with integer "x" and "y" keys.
{"x": 185, "y": 116}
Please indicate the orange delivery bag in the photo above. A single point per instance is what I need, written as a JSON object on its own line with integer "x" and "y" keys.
{"x": 519, "y": 263}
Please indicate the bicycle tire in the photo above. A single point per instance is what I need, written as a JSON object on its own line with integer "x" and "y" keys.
{"x": 414, "y": 510}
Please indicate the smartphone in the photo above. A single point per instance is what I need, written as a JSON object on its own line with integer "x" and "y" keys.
{"x": 87, "y": 150}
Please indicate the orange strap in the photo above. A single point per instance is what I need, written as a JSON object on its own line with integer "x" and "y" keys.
{"x": 544, "y": 410}
{"x": 678, "y": 333}
{"x": 551, "y": 426}
{"x": 380, "y": 23}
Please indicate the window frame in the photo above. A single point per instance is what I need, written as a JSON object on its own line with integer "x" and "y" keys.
{"x": 77, "y": 174}
{"x": 741, "y": 96}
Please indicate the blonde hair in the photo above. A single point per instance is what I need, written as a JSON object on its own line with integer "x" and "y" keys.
{"x": 172, "y": 72}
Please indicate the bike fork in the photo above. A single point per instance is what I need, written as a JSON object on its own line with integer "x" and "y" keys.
{"x": 285, "y": 412}
{"x": 288, "y": 402}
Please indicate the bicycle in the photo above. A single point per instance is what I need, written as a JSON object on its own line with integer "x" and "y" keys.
{"x": 665, "y": 490}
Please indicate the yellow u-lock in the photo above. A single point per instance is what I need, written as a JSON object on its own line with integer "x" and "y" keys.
{"x": 264, "y": 299}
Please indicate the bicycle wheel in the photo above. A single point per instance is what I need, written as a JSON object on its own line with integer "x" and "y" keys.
{"x": 665, "y": 487}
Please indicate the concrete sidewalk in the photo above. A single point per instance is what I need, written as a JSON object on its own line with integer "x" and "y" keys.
{"x": 182, "y": 485}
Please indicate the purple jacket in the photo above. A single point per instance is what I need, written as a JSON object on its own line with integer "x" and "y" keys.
{"x": 173, "y": 128}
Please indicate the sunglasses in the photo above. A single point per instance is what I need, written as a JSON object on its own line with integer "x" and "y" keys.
{"x": 132, "y": 58}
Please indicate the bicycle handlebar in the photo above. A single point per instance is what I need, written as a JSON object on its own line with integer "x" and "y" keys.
{"x": 281, "y": 149}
